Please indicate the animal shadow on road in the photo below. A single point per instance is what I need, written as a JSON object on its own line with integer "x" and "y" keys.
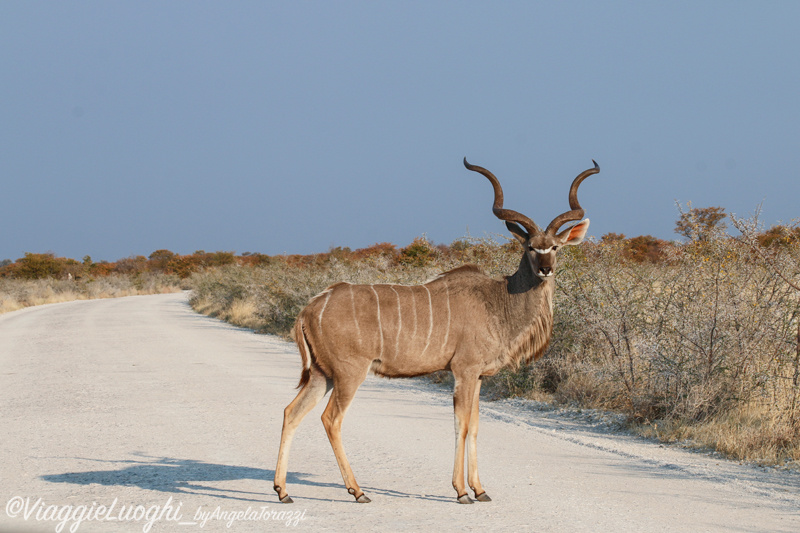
{"x": 187, "y": 476}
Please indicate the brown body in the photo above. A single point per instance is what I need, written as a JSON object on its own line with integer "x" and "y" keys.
{"x": 462, "y": 321}
{"x": 425, "y": 328}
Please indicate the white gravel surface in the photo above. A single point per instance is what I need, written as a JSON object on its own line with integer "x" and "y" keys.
{"x": 140, "y": 415}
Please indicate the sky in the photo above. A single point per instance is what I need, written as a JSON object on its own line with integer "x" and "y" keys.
{"x": 293, "y": 127}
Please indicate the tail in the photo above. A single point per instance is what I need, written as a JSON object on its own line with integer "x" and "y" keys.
{"x": 305, "y": 352}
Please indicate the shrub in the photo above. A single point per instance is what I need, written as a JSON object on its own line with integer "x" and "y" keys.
{"x": 37, "y": 266}
{"x": 18, "y": 293}
{"x": 701, "y": 223}
{"x": 419, "y": 253}
{"x": 673, "y": 335}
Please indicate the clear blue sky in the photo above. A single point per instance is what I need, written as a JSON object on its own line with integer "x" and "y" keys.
{"x": 277, "y": 127}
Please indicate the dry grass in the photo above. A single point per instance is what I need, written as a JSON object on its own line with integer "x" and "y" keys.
{"x": 691, "y": 347}
{"x": 240, "y": 312}
{"x": 747, "y": 432}
{"x": 17, "y": 294}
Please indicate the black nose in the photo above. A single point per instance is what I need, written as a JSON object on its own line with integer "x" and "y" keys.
{"x": 545, "y": 271}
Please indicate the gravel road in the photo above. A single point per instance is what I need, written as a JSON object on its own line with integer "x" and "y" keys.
{"x": 135, "y": 414}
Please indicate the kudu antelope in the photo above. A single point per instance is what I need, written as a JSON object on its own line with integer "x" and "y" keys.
{"x": 462, "y": 321}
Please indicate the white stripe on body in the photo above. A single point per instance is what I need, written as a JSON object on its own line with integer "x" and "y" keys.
{"x": 414, "y": 307}
{"x": 380, "y": 326}
{"x": 324, "y": 305}
{"x": 355, "y": 315}
{"x": 430, "y": 327}
{"x": 447, "y": 331}
{"x": 399, "y": 323}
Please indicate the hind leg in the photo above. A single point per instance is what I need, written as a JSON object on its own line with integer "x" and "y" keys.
{"x": 343, "y": 392}
{"x": 308, "y": 397}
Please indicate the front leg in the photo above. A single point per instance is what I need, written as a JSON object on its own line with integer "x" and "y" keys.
{"x": 472, "y": 448}
{"x": 465, "y": 389}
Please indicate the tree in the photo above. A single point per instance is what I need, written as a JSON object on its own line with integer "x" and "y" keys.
{"x": 645, "y": 248}
{"x": 610, "y": 238}
{"x": 701, "y": 223}
{"x": 160, "y": 259}
{"x": 38, "y": 266}
{"x": 778, "y": 235}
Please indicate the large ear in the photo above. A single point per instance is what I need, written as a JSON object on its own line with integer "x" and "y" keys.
{"x": 515, "y": 229}
{"x": 574, "y": 234}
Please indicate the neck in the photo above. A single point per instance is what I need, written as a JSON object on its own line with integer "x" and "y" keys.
{"x": 524, "y": 280}
{"x": 530, "y": 314}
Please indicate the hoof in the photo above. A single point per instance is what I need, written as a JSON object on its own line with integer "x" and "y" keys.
{"x": 285, "y": 499}
{"x": 464, "y": 498}
{"x": 360, "y": 499}
{"x": 483, "y": 497}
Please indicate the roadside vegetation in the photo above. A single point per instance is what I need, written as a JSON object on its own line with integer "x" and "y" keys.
{"x": 37, "y": 279}
{"x": 695, "y": 341}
